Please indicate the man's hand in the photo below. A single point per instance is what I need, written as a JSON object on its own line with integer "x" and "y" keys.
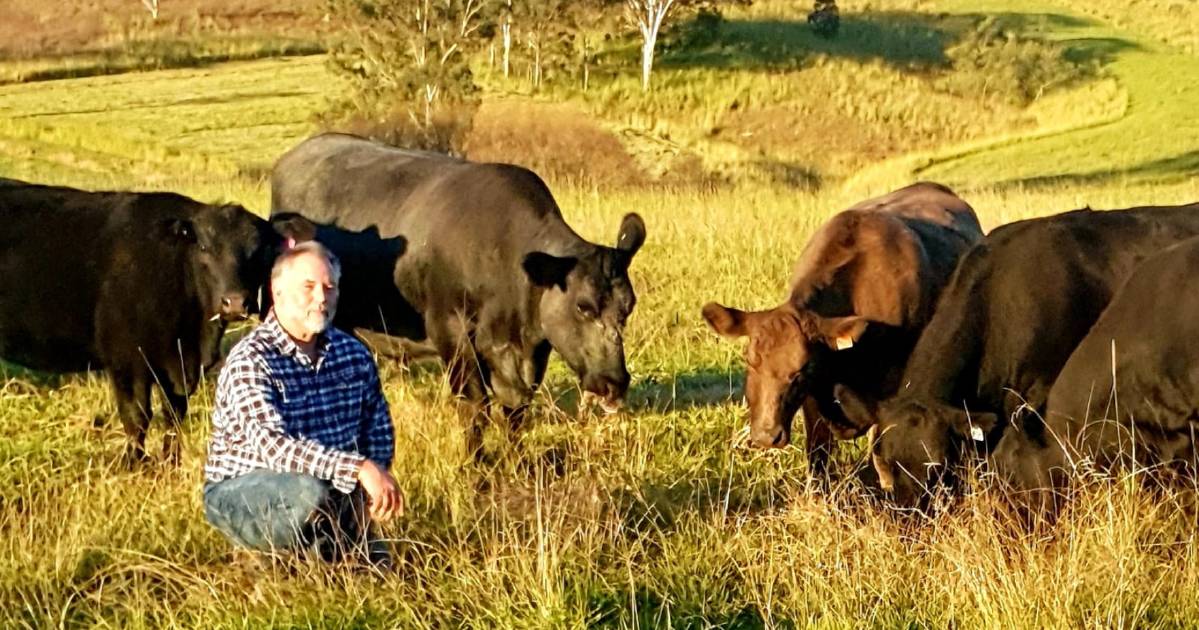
{"x": 386, "y": 500}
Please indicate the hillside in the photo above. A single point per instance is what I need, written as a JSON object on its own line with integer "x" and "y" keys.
{"x": 758, "y": 100}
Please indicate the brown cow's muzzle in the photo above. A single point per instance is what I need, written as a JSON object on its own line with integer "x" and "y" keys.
{"x": 777, "y": 437}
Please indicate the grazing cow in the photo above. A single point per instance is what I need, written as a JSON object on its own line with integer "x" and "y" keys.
{"x": 496, "y": 275}
{"x": 139, "y": 284}
{"x": 1017, "y": 306}
{"x": 1148, "y": 339}
{"x": 864, "y": 287}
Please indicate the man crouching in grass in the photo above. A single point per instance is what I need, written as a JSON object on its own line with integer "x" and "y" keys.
{"x": 302, "y": 439}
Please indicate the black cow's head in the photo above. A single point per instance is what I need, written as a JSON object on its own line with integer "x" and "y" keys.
{"x": 229, "y": 252}
{"x": 786, "y": 348}
{"x": 584, "y": 307}
{"x": 918, "y": 440}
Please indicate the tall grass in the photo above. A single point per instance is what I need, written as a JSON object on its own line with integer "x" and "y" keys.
{"x": 652, "y": 518}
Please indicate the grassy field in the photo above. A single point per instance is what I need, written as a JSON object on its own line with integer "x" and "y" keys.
{"x": 652, "y": 518}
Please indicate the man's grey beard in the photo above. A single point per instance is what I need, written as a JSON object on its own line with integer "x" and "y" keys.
{"x": 317, "y": 322}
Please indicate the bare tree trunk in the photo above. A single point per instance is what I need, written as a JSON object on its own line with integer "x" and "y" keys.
{"x": 649, "y": 15}
{"x": 152, "y": 7}
{"x": 647, "y": 60}
{"x": 586, "y": 68}
{"x": 537, "y": 64}
{"x": 506, "y": 29}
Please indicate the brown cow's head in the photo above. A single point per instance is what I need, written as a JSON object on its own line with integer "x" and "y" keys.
{"x": 584, "y": 306}
{"x": 918, "y": 440}
{"x": 784, "y": 352}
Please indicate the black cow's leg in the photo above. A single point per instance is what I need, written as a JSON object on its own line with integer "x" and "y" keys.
{"x": 517, "y": 415}
{"x": 516, "y": 418}
{"x": 467, "y": 385}
{"x": 466, "y": 382}
{"x": 174, "y": 410}
{"x": 819, "y": 437}
{"x": 132, "y": 392}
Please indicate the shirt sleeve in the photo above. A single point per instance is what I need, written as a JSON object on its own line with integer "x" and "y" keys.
{"x": 378, "y": 435}
{"x": 251, "y": 399}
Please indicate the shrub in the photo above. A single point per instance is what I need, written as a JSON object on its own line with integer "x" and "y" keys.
{"x": 989, "y": 61}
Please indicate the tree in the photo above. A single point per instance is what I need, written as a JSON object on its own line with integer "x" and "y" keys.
{"x": 411, "y": 54}
{"x": 152, "y": 7}
{"x": 824, "y": 18}
{"x": 552, "y": 31}
{"x": 650, "y": 15}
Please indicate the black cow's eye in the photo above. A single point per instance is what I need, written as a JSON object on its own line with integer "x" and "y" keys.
{"x": 587, "y": 309}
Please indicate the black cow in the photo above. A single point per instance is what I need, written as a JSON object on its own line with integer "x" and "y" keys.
{"x": 1148, "y": 339}
{"x": 1017, "y": 306}
{"x": 863, "y": 288}
{"x": 496, "y": 275}
{"x": 139, "y": 284}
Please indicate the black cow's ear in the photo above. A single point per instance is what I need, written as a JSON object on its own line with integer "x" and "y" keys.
{"x": 859, "y": 411}
{"x": 632, "y": 234}
{"x": 546, "y": 270}
{"x": 973, "y": 426}
{"x": 293, "y": 227}
{"x": 727, "y": 322}
{"x": 181, "y": 229}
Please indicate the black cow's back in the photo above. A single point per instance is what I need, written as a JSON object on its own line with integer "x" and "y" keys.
{"x": 1148, "y": 340}
{"x": 467, "y": 225}
{"x": 1021, "y": 300}
{"x": 56, "y": 248}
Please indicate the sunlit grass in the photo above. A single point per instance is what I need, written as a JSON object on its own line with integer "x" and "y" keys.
{"x": 651, "y": 518}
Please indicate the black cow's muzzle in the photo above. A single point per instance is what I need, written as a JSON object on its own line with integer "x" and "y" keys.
{"x": 606, "y": 391}
{"x": 237, "y": 306}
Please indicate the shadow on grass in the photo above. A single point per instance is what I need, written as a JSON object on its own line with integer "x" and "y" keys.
{"x": 1164, "y": 170}
{"x": 21, "y": 378}
{"x": 906, "y": 40}
{"x": 901, "y": 39}
{"x": 146, "y": 56}
{"x": 639, "y": 606}
{"x": 205, "y": 100}
{"x": 1097, "y": 50}
{"x": 665, "y": 393}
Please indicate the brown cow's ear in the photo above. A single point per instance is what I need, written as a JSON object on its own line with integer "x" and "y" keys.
{"x": 546, "y": 270}
{"x": 293, "y": 227}
{"x": 859, "y": 411}
{"x": 841, "y": 333}
{"x": 727, "y": 322}
{"x": 973, "y": 426}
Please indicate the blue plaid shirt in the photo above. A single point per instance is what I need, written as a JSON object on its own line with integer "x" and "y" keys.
{"x": 278, "y": 410}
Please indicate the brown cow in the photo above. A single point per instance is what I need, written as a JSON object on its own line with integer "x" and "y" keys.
{"x": 863, "y": 288}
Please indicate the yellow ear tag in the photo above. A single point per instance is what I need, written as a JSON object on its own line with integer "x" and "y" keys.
{"x": 844, "y": 343}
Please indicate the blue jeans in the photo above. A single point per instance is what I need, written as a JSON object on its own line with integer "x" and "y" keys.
{"x": 271, "y": 511}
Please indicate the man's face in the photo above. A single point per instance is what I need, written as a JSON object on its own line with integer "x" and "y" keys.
{"x": 305, "y": 296}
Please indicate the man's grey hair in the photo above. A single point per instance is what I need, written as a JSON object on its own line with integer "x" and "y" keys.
{"x": 307, "y": 247}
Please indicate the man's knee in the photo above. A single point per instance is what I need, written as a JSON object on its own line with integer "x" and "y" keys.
{"x": 266, "y": 510}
